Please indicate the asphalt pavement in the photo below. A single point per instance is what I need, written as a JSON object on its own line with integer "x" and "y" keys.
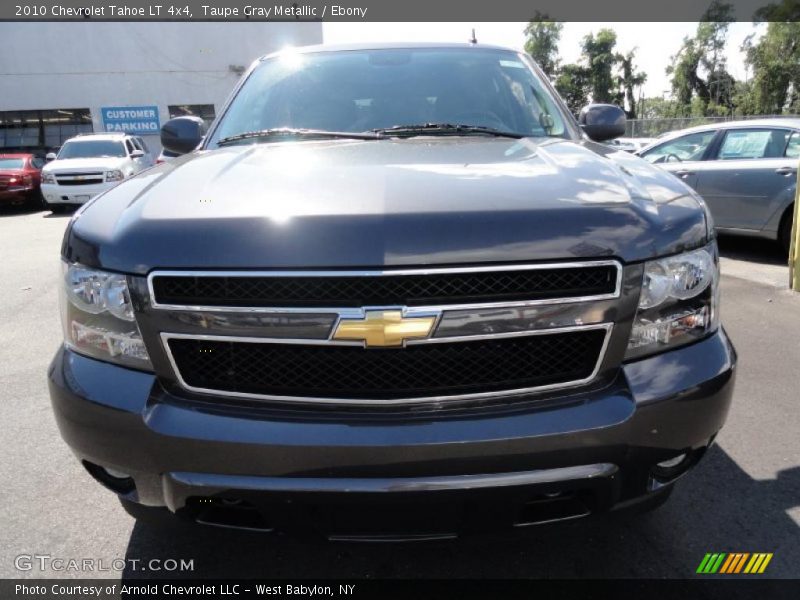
{"x": 743, "y": 497}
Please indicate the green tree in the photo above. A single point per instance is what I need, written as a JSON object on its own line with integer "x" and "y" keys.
{"x": 786, "y": 11}
{"x": 541, "y": 42}
{"x": 658, "y": 108}
{"x": 700, "y": 81}
{"x": 628, "y": 80}
{"x": 601, "y": 75}
{"x": 598, "y": 52}
{"x": 775, "y": 63}
{"x": 574, "y": 84}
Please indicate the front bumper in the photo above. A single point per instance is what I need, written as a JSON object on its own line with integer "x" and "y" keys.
{"x": 345, "y": 475}
{"x": 16, "y": 195}
{"x": 73, "y": 194}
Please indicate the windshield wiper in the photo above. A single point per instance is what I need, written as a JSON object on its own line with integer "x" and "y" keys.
{"x": 291, "y": 132}
{"x": 444, "y": 129}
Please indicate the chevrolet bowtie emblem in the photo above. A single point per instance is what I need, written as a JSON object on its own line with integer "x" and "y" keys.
{"x": 384, "y": 328}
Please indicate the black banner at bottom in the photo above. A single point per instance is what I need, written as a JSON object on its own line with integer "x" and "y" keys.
{"x": 551, "y": 589}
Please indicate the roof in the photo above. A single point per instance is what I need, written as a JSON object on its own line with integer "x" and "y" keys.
{"x": 16, "y": 154}
{"x": 111, "y": 135}
{"x": 746, "y": 123}
{"x": 389, "y": 46}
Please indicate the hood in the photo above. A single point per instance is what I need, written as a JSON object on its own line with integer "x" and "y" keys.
{"x": 418, "y": 201}
{"x": 79, "y": 165}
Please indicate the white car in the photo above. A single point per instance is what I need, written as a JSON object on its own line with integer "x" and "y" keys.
{"x": 629, "y": 144}
{"x": 89, "y": 164}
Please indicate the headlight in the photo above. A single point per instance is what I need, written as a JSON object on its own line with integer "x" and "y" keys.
{"x": 114, "y": 175}
{"x": 48, "y": 178}
{"x": 678, "y": 303}
{"x": 97, "y": 316}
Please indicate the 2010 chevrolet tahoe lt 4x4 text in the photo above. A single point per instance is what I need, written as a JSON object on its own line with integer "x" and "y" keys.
{"x": 394, "y": 293}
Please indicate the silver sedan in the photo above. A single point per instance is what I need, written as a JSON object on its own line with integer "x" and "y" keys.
{"x": 746, "y": 171}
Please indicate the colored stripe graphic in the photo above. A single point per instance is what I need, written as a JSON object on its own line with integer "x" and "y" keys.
{"x": 729, "y": 563}
{"x": 734, "y": 562}
{"x": 711, "y": 563}
{"x": 703, "y": 563}
{"x": 741, "y": 562}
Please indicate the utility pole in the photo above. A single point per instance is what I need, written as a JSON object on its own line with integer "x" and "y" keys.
{"x": 794, "y": 247}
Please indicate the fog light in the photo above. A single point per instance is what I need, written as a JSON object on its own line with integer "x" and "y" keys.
{"x": 117, "y": 474}
{"x": 116, "y": 481}
{"x": 672, "y": 462}
{"x": 669, "y": 470}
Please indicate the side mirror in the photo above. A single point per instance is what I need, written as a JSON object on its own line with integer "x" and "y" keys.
{"x": 137, "y": 154}
{"x": 182, "y": 134}
{"x": 50, "y": 156}
{"x": 602, "y": 122}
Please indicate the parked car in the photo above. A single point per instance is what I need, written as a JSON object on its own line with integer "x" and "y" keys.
{"x": 90, "y": 164}
{"x": 20, "y": 176}
{"x": 746, "y": 171}
{"x": 398, "y": 293}
{"x": 628, "y": 144}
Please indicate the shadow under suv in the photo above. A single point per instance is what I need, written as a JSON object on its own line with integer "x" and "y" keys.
{"x": 392, "y": 293}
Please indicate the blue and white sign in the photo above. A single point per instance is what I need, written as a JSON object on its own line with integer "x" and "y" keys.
{"x": 142, "y": 120}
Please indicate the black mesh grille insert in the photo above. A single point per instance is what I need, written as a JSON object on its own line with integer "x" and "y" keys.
{"x": 387, "y": 290}
{"x": 386, "y": 373}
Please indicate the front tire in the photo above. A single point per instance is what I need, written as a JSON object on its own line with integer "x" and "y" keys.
{"x": 35, "y": 201}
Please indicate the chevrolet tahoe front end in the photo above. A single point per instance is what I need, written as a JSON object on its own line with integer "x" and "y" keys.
{"x": 392, "y": 332}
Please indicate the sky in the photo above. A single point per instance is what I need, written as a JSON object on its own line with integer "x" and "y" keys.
{"x": 656, "y": 42}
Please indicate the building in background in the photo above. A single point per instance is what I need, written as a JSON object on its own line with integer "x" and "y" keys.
{"x": 61, "y": 79}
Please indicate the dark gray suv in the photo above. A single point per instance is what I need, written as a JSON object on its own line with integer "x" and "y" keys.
{"x": 392, "y": 293}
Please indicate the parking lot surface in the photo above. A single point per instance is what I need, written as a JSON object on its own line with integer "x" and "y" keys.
{"x": 744, "y": 496}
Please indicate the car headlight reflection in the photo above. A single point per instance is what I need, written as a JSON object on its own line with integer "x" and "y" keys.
{"x": 98, "y": 318}
{"x": 678, "y": 302}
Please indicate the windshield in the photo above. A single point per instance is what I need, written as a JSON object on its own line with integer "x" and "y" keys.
{"x": 362, "y": 90}
{"x": 91, "y": 149}
{"x": 11, "y": 163}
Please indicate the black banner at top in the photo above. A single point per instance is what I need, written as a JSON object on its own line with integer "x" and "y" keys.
{"x": 383, "y": 11}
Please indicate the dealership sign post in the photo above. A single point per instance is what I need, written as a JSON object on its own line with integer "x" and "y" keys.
{"x": 140, "y": 120}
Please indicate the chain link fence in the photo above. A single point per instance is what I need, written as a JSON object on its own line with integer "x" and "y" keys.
{"x": 649, "y": 128}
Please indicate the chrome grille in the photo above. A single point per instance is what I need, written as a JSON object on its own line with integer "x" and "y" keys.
{"x": 79, "y": 178}
{"x": 390, "y": 289}
{"x": 417, "y": 371}
{"x": 248, "y": 334}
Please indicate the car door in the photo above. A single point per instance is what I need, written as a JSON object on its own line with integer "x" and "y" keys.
{"x": 682, "y": 156}
{"x": 748, "y": 177}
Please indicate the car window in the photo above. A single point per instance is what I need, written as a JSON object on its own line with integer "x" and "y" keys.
{"x": 129, "y": 145}
{"x": 744, "y": 144}
{"x": 793, "y": 147}
{"x": 372, "y": 89}
{"x": 37, "y": 162}
{"x": 684, "y": 148}
{"x": 11, "y": 163}
{"x": 91, "y": 149}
